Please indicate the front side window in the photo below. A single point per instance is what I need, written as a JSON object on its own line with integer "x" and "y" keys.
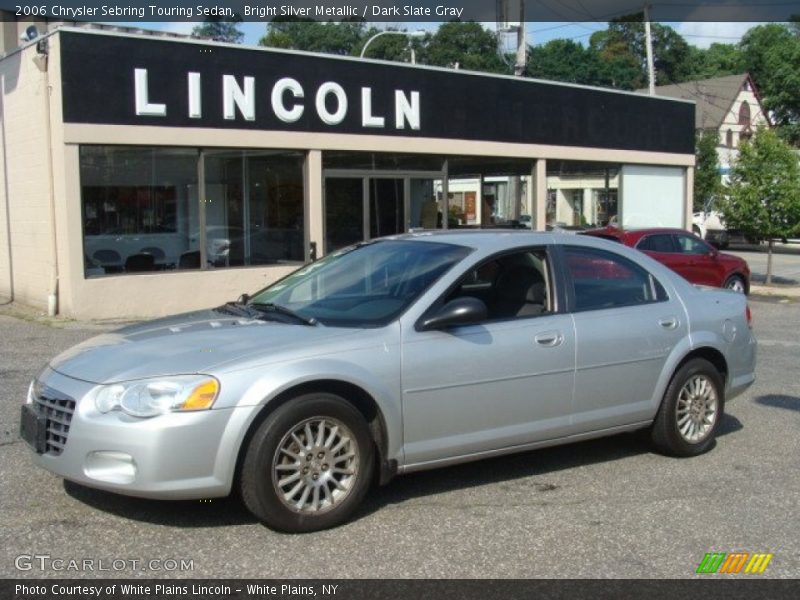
{"x": 511, "y": 286}
{"x": 602, "y": 280}
{"x": 656, "y": 243}
{"x": 691, "y": 245}
{"x": 367, "y": 285}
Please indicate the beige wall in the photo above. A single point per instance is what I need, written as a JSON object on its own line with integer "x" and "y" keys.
{"x": 25, "y": 189}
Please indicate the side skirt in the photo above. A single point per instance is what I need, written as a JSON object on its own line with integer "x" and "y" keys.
{"x": 454, "y": 460}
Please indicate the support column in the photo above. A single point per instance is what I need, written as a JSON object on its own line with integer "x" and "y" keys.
{"x": 314, "y": 206}
{"x": 688, "y": 210}
{"x": 539, "y": 185}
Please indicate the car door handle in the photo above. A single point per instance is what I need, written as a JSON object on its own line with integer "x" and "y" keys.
{"x": 668, "y": 322}
{"x": 549, "y": 339}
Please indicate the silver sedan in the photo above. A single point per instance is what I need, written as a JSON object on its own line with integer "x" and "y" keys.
{"x": 392, "y": 356}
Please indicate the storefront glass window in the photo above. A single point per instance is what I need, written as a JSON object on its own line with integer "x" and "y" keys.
{"x": 142, "y": 206}
{"x": 137, "y": 214}
{"x": 581, "y": 195}
{"x": 489, "y": 192}
{"x": 254, "y": 207}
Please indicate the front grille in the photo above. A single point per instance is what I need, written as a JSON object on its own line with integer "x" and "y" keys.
{"x": 57, "y": 409}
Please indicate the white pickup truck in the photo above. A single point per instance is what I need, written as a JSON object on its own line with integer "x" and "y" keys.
{"x": 711, "y": 227}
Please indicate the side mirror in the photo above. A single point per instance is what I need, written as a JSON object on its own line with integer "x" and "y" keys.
{"x": 460, "y": 311}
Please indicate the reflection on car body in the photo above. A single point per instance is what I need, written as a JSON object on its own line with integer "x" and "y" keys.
{"x": 391, "y": 356}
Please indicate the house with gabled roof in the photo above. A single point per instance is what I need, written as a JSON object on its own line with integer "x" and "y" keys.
{"x": 729, "y": 105}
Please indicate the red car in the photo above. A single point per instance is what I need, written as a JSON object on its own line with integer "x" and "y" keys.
{"x": 686, "y": 254}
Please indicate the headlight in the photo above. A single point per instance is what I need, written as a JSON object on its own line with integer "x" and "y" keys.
{"x": 151, "y": 397}
{"x": 31, "y": 392}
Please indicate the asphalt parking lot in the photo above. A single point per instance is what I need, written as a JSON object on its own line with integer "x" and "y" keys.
{"x": 607, "y": 508}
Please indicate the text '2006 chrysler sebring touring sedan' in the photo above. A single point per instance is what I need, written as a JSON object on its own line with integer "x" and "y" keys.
{"x": 395, "y": 355}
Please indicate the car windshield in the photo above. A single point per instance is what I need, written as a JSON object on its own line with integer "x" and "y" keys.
{"x": 367, "y": 285}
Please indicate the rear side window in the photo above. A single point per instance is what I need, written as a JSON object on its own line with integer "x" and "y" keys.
{"x": 602, "y": 280}
{"x": 656, "y": 243}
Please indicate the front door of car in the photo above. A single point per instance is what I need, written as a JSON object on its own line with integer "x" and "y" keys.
{"x": 703, "y": 267}
{"x": 501, "y": 382}
{"x": 626, "y": 326}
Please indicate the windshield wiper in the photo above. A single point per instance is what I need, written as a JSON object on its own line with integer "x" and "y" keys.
{"x": 272, "y": 307}
{"x": 238, "y": 309}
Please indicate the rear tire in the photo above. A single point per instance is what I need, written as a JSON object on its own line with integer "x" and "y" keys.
{"x": 308, "y": 465}
{"x": 691, "y": 411}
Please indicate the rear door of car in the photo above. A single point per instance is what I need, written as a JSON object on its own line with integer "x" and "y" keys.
{"x": 503, "y": 382}
{"x": 625, "y": 327}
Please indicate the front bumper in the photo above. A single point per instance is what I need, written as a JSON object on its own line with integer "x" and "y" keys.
{"x": 175, "y": 456}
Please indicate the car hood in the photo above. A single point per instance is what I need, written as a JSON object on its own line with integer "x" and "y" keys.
{"x": 194, "y": 342}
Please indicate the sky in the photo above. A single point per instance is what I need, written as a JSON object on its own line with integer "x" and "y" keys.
{"x": 701, "y": 34}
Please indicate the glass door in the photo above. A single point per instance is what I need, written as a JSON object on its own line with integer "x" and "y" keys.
{"x": 344, "y": 211}
{"x": 386, "y": 206}
{"x": 362, "y": 205}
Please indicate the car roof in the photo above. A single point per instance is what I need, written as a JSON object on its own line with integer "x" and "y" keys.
{"x": 484, "y": 239}
{"x": 497, "y": 240}
{"x": 632, "y": 235}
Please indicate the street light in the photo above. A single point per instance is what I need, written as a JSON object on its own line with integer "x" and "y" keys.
{"x": 392, "y": 32}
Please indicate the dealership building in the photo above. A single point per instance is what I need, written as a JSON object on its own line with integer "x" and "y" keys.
{"x": 144, "y": 176}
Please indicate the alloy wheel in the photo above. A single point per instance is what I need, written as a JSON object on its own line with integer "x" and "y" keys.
{"x": 316, "y": 465}
{"x": 697, "y": 408}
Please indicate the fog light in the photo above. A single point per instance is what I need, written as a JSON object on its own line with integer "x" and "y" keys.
{"x": 111, "y": 467}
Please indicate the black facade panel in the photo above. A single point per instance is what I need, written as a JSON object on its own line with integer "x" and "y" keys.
{"x": 98, "y": 87}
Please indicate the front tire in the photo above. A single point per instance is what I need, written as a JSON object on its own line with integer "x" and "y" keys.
{"x": 308, "y": 465}
{"x": 691, "y": 411}
{"x": 736, "y": 283}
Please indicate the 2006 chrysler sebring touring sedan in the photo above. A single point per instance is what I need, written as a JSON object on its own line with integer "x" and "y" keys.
{"x": 399, "y": 354}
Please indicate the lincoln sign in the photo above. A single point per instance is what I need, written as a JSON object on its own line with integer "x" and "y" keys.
{"x": 133, "y": 80}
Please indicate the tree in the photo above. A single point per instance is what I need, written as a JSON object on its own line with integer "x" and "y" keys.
{"x": 772, "y": 53}
{"x": 624, "y": 41}
{"x": 620, "y": 68}
{"x": 220, "y": 30}
{"x": 467, "y": 44}
{"x": 340, "y": 38}
{"x": 565, "y": 60}
{"x": 764, "y": 192}
{"x": 707, "y": 184}
{"x": 716, "y": 61}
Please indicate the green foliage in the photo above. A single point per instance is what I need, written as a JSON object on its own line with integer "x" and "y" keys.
{"x": 220, "y": 30}
{"x": 772, "y": 56}
{"x": 764, "y": 192}
{"x": 565, "y": 60}
{"x": 707, "y": 184}
{"x": 622, "y": 49}
{"x": 340, "y": 38}
{"x": 619, "y": 66}
{"x": 716, "y": 61}
{"x": 468, "y": 44}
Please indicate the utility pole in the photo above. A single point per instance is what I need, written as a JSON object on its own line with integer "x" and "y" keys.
{"x": 648, "y": 39}
{"x": 522, "y": 44}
